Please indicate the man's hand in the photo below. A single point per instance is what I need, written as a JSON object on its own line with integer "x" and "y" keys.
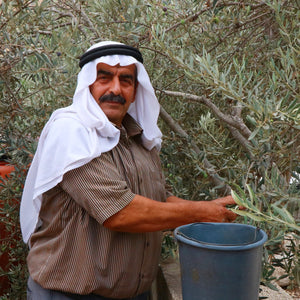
{"x": 210, "y": 211}
{"x": 217, "y": 211}
{"x": 228, "y": 200}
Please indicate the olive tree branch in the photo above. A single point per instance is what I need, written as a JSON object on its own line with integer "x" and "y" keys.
{"x": 234, "y": 121}
{"x": 11, "y": 92}
{"x": 195, "y": 16}
{"x": 22, "y": 7}
{"x": 209, "y": 168}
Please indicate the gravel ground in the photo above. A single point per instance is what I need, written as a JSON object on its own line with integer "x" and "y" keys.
{"x": 295, "y": 294}
{"x": 281, "y": 294}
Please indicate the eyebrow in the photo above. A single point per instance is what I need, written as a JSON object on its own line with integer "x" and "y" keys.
{"x": 105, "y": 72}
{"x": 108, "y": 73}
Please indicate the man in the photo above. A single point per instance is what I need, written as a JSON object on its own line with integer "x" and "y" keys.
{"x": 94, "y": 200}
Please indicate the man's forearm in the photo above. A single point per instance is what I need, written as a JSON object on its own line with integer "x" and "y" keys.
{"x": 146, "y": 215}
{"x": 174, "y": 199}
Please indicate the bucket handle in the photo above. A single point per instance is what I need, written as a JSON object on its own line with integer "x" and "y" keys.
{"x": 207, "y": 243}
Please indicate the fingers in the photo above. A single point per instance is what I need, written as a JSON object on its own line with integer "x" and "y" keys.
{"x": 230, "y": 216}
{"x": 225, "y": 215}
{"x": 228, "y": 200}
{"x": 216, "y": 210}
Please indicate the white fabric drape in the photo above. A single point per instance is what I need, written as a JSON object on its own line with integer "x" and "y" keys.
{"x": 76, "y": 134}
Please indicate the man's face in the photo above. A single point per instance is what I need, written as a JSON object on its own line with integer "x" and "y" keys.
{"x": 114, "y": 90}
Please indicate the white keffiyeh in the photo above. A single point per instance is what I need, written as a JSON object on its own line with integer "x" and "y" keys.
{"x": 76, "y": 134}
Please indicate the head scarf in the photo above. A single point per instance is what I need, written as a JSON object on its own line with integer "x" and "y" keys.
{"x": 76, "y": 134}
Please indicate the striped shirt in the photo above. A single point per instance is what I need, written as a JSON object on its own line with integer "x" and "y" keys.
{"x": 72, "y": 251}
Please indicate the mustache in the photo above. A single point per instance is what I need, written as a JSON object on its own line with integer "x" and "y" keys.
{"x": 112, "y": 98}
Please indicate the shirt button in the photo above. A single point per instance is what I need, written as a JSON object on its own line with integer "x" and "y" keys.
{"x": 147, "y": 244}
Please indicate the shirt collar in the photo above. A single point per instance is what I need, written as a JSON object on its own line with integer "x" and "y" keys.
{"x": 131, "y": 126}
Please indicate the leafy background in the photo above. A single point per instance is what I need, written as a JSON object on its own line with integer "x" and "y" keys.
{"x": 225, "y": 74}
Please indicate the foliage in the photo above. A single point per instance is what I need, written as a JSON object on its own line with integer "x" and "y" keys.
{"x": 225, "y": 73}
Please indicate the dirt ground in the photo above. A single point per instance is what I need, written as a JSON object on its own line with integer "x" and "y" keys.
{"x": 295, "y": 293}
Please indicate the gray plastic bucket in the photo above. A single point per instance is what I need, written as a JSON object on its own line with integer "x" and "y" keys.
{"x": 220, "y": 261}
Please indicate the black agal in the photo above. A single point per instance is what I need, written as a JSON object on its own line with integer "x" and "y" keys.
{"x": 110, "y": 50}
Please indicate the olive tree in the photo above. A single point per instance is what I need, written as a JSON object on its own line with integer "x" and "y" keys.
{"x": 225, "y": 74}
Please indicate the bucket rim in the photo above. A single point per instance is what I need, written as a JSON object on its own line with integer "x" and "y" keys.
{"x": 181, "y": 238}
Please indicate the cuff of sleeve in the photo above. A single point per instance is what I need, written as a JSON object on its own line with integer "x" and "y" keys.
{"x": 116, "y": 206}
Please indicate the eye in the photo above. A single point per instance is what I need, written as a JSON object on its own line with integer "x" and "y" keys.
{"x": 103, "y": 76}
{"x": 127, "y": 80}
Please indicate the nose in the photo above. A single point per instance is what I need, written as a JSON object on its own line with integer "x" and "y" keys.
{"x": 115, "y": 87}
